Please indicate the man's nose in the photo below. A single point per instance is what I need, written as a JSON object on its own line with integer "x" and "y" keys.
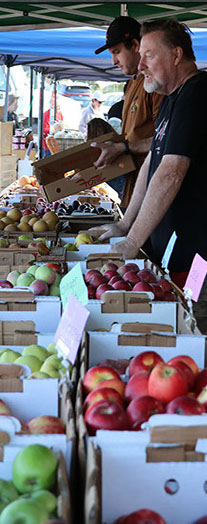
{"x": 114, "y": 60}
{"x": 141, "y": 65}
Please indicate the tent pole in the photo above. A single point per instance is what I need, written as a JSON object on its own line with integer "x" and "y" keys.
{"x": 55, "y": 104}
{"x": 31, "y": 98}
{"x": 123, "y": 10}
{"x": 40, "y": 119}
{"x": 6, "y": 95}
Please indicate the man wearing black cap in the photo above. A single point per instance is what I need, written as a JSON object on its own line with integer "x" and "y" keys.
{"x": 140, "y": 108}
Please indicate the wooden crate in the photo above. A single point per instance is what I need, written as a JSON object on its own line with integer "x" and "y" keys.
{"x": 8, "y": 173}
{"x": 6, "y": 132}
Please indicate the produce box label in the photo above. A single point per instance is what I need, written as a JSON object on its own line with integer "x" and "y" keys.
{"x": 196, "y": 277}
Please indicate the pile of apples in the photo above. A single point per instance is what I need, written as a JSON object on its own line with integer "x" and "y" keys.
{"x": 41, "y": 279}
{"x": 44, "y": 424}
{"x": 29, "y": 496}
{"x": 29, "y": 219}
{"x": 39, "y": 245}
{"x": 175, "y": 387}
{"x": 127, "y": 278}
{"x": 43, "y": 362}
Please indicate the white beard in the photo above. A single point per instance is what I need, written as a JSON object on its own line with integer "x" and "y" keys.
{"x": 152, "y": 86}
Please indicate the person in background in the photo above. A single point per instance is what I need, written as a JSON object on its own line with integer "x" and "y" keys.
{"x": 115, "y": 113}
{"x": 46, "y": 127}
{"x": 93, "y": 110}
{"x": 140, "y": 108}
{"x": 11, "y": 115}
{"x": 170, "y": 192}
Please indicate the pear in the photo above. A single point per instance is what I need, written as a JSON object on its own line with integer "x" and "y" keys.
{"x": 83, "y": 238}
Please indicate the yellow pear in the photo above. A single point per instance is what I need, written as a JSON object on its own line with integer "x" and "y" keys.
{"x": 23, "y": 226}
{"x": 83, "y": 238}
{"x": 40, "y": 226}
{"x": 50, "y": 215}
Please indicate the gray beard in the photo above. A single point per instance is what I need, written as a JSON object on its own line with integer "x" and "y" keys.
{"x": 150, "y": 88}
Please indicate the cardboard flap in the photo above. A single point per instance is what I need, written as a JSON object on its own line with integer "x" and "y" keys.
{"x": 4, "y": 438}
{"x": 177, "y": 434}
{"x": 177, "y": 453}
{"x": 10, "y": 371}
{"x": 140, "y": 327}
{"x": 148, "y": 339}
{"x": 19, "y": 295}
{"x": 64, "y": 500}
{"x": 92, "y": 503}
{"x": 125, "y": 302}
{"x": 99, "y": 259}
{"x": 17, "y": 333}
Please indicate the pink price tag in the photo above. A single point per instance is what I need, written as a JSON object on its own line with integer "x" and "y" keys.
{"x": 70, "y": 328}
{"x": 196, "y": 277}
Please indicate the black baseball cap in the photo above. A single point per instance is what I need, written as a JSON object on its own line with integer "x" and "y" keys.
{"x": 119, "y": 30}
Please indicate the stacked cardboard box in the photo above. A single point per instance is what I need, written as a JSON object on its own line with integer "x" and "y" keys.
{"x": 7, "y": 161}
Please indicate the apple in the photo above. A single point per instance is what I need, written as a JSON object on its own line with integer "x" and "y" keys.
{"x": 25, "y": 512}
{"x": 8, "y": 493}
{"x": 42, "y": 248}
{"x": 202, "y": 397}
{"x": 165, "y": 284}
{"x": 32, "y": 269}
{"x": 188, "y": 360}
{"x": 55, "y": 267}
{"x": 4, "y": 410}
{"x": 200, "y": 381}
{"x": 109, "y": 274}
{"x": 185, "y": 405}
{"x": 90, "y": 274}
{"x": 115, "y": 279}
{"x": 101, "y": 289}
{"x": 34, "y": 468}
{"x": 120, "y": 365}
{"x": 167, "y": 382}
{"x": 142, "y": 408}
{"x": 102, "y": 394}
{"x": 52, "y": 349}
{"x": 142, "y": 516}
{"x": 5, "y": 283}
{"x": 185, "y": 368}
{"x": 83, "y": 238}
{"x": 36, "y": 350}
{"x": 39, "y": 374}
{"x": 142, "y": 286}
{"x": 158, "y": 291}
{"x": 145, "y": 361}
{"x": 25, "y": 280}
{"x": 53, "y": 367}
{"x": 105, "y": 415}
{"x": 9, "y": 356}
{"x": 13, "y": 276}
{"x": 127, "y": 267}
{"x": 39, "y": 287}
{"x": 169, "y": 296}
{"x": 113, "y": 383}
{"x": 54, "y": 290}
{"x": 109, "y": 266}
{"x": 97, "y": 279}
{"x": 45, "y": 424}
{"x": 97, "y": 374}
{"x": 122, "y": 285}
{"x": 29, "y": 360}
{"x": 147, "y": 276}
{"x": 131, "y": 277}
{"x": 46, "y": 274}
{"x": 45, "y": 498}
{"x": 91, "y": 292}
{"x": 137, "y": 386}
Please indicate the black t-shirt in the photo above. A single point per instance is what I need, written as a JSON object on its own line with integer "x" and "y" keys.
{"x": 181, "y": 130}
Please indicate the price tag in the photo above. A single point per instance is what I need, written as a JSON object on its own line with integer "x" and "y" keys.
{"x": 73, "y": 284}
{"x": 70, "y": 328}
{"x": 196, "y": 277}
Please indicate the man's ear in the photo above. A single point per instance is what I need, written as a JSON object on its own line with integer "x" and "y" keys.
{"x": 178, "y": 54}
{"x": 136, "y": 44}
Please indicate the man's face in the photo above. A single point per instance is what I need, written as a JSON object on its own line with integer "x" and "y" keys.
{"x": 126, "y": 59}
{"x": 157, "y": 63}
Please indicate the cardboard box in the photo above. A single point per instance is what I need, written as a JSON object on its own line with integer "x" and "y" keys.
{"x": 6, "y": 132}
{"x": 21, "y": 304}
{"x": 8, "y": 173}
{"x": 50, "y": 171}
{"x": 20, "y": 154}
{"x": 23, "y": 255}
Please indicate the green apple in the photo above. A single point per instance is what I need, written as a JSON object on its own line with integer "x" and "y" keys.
{"x": 8, "y": 493}
{"x": 47, "y": 499}
{"x": 29, "y": 360}
{"x": 25, "y": 279}
{"x": 34, "y": 468}
{"x": 58, "y": 279}
{"x": 32, "y": 269}
{"x": 37, "y": 351}
{"x": 54, "y": 290}
{"x": 53, "y": 365}
{"x": 46, "y": 274}
{"x": 52, "y": 348}
{"x": 13, "y": 276}
{"x": 25, "y": 237}
{"x": 24, "y": 512}
{"x": 39, "y": 374}
{"x": 3, "y": 242}
{"x": 71, "y": 247}
{"x": 9, "y": 356}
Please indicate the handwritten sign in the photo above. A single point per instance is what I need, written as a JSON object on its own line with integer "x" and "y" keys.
{"x": 70, "y": 328}
{"x": 73, "y": 284}
{"x": 196, "y": 277}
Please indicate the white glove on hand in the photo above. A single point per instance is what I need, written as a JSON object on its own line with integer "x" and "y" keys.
{"x": 108, "y": 231}
{"x": 126, "y": 247}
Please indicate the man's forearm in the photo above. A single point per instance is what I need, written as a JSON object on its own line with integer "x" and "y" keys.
{"x": 140, "y": 146}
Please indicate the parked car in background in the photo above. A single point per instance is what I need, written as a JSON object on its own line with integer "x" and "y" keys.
{"x": 111, "y": 99}
{"x": 80, "y": 93}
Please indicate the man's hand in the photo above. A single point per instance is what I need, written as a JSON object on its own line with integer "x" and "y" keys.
{"x": 126, "y": 247}
{"x": 108, "y": 231}
{"x": 109, "y": 152}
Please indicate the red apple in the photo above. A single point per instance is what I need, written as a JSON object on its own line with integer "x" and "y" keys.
{"x": 5, "y": 284}
{"x": 26, "y": 212}
{"x": 45, "y": 424}
{"x": 169, "y": 296}
{"x": 90, "y": 274}
{"x": 142, "y": 286}
{"x": 91, "y": 291}
{"x": 165, "y": 284}
{"x": 166, "y": 383}
{"x": 185, "y": 405}
{"x": 128, "y": 267}
{"x": 158, "y": 291}
{"x": 145, "y": 361}
{"x": 200, "y": 381}
{"x": 137, "y": 386}
{"x": 147, "y": 276}
{"x": 105, "y": 415}
{"x": 109, "y": 274}
{"x": 113, "y": 383}
{"x": 141, "y": 409}
{"x": 101, "y": 289}
{"x": 109, "y": 265}
{"x": 119, "y": 365}
{"x": 97, "y": 374}
{"x": 143, "y": 516}
{"x": 97, "y": 279}
{"x": 185, "y": 368}
{"x": 187, "y": 359}
{"x": 202, "y": 397}
{"x": 39, "y": 287}
{"x": 102, "y": 394}
{"x": 115, "y": 279}
{"x": 55, "y": 266}
{"x": 131, "y": 277}
{"x": 122, "y": 285}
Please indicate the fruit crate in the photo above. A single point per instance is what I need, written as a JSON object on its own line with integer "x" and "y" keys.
{"x": 50, "y": 236}
{"x": 24, "y": 255}
{"x": 8, "y": 172}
